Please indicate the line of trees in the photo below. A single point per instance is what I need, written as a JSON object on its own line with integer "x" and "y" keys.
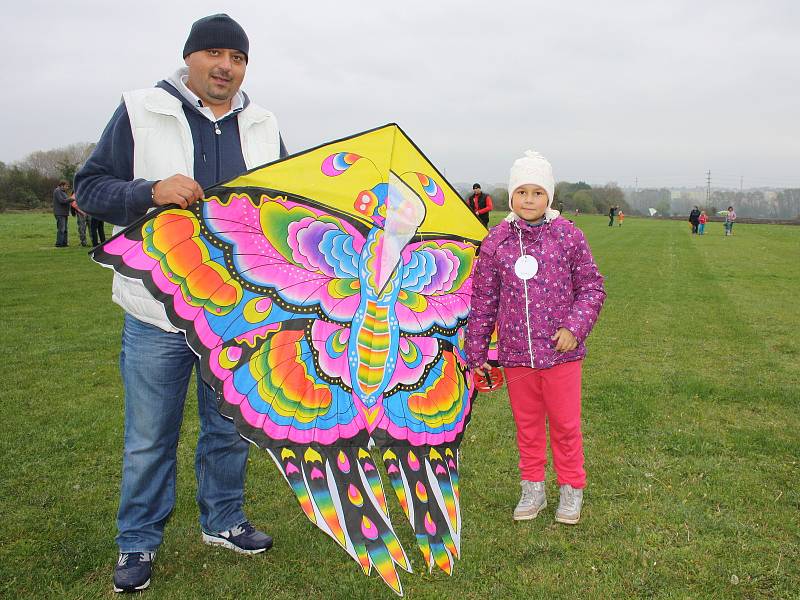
{"x": 770, "y": 204}
{"x": 784, "y": 204}
{"x": 568, "y": 197}
{"x": 761, "y": 204}
{"x": 29, "y": 183}
{"x": 580, "y": 196}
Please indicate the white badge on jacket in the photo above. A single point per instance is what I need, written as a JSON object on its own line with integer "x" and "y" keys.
{"x": 526, "y": 267}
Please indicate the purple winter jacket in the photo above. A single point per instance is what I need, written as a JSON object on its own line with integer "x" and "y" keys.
{"x": 566, "y": 292}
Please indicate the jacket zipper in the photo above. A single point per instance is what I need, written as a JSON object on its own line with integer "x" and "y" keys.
{"x": 527, "y": 308}
{"x": 218, "y": 133}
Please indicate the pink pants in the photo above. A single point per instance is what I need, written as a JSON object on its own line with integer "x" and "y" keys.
{"x": 554, "y": 393}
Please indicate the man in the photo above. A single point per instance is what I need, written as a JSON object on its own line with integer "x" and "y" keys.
{"x": 163, "y": 146}
{"x": 612, "y": 212}
{"x": 61, "y": 211}
{"x": 481, "y": 204}
{"x": 694, "y": 219}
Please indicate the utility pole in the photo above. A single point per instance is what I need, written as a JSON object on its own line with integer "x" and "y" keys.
{"x": 708, "y": 188}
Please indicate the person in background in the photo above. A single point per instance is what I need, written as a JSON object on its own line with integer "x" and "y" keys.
{"x": 620, "y": 217}
{"x": 97, "y": 231}
{"x": 537, "y": 282}
{"x": 730, "y": 218}
{"x": 61, "y": 205}
{"x": 82, "y": 218}
{"x": 694, "y": 219}
{"x": 162, "y": 147}
{"x": 480, "y": 204}
{"x": 701, "y": 222}
{"x": 612, "y": 212}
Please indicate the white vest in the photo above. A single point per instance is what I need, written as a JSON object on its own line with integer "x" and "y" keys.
{"x": 162, "y": 147}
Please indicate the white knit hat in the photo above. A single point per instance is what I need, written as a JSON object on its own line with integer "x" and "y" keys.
{"x": 536, "y": 169}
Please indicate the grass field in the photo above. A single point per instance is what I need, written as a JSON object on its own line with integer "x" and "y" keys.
{"x": 690, "y": 420}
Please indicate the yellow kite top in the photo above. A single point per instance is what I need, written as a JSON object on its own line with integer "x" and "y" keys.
{"x": 368, "y": 159}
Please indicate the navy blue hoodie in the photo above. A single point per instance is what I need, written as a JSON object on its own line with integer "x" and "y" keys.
{"x": 105, "y": 186}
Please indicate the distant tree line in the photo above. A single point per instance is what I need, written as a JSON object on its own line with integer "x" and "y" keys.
{"x": 763, "y": 204}
{"x": 783, "y": 204}
{"x": 760, "y": 204}
{"x": 29, "y": 183}
{"x": 584, "y": 198}
{"x": 567, "y": 197}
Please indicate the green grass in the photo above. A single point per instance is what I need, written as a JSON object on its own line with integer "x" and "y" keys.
{"x": 690, "y": 420}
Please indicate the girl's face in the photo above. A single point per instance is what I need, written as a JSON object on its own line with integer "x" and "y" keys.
{"x": 529, "y": 202}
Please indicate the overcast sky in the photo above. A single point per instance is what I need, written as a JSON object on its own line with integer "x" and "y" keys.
{"x": 609, "y": 91}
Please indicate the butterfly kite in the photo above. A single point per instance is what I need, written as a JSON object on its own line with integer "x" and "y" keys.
{"x": 326, "y": 295}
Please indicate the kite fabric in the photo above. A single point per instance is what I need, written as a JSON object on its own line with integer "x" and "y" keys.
{"x": 326, "y": 295}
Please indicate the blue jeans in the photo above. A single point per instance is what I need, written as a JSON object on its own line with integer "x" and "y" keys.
{"x": 61, "y": 230}
{"x": 156, "y": 368}
{"x": 701, "y": 228}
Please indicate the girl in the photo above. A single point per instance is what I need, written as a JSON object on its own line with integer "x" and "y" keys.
{"x": 703, "y": 220}
{"x": 536, "y": 280}
{"x": 730, "y": 218}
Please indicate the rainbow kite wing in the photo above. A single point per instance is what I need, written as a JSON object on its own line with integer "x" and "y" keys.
{"x": 326, "y": 295}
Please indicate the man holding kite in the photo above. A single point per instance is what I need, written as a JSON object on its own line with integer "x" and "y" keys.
{"x": 162, "y": 146}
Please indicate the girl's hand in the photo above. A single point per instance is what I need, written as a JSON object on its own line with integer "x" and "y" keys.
{"x": 482, "y": 369}
{"x": 564, "y": 340}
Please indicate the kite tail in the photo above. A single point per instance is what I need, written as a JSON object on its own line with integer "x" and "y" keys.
{"x": 425, "y": 480}
{"x": 340, "y": 491}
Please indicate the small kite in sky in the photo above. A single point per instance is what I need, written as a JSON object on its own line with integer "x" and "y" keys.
{"x": 326, "y": 295}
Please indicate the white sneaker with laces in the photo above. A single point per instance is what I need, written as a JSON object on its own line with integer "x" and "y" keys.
{"x": 532, "y": 501}
{"x": 569, "y": 505}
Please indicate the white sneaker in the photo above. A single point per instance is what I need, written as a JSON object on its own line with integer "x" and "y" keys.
{"x": 532, "y": 500}
{"x": 569, "y": 505}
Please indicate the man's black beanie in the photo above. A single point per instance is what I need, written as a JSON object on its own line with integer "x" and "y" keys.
{"x": 216, "y": 31}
